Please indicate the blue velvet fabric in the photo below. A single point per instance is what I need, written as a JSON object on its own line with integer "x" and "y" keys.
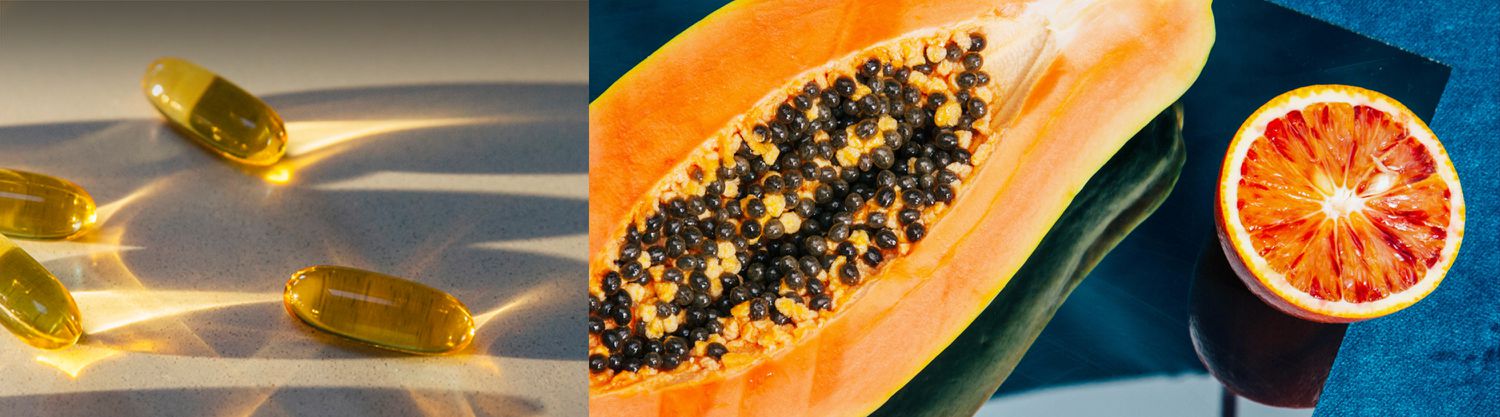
{"x": 1440, "y": 357}
{"x": 1129, "y": 317}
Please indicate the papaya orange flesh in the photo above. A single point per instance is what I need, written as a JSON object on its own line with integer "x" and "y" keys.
{"x": 771, "y": 227}
{"x": 1068, "y": 83}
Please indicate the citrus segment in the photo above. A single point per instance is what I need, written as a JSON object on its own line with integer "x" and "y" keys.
{"x": 1339, "y": 204}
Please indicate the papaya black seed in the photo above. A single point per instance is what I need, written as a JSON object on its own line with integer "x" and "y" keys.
{"x": 883, "y": 157}
{"x": 670, "y": 362}
{"x": 815, "y": 245}
{"x": 622, "y": 316}
{"x": 699, "y": 281}
{"x": 810, "y": 265}
{"x": 773, "y": 229}
{"x": 630, "y": 251}
{"x": 865, "y": 129}
{"x": 597, "y": 363}
{"x": 943, "y": 193}
{"x": 803, "y": 102}
{"x": 816, "y": 286}
{"x": 873, "y": 258}
{"x": 912, "y": 197}
{"x": 966, "y": 80}
{"x": 758, "y": 309}
{"x": 974, "y": 108}
{"x": 946, "y": 140}
{"x": 849, "y": 274}
{"x": 886, "y": 239}
{"x": 674, "y": 346}
{"x": 839, "y": 232}
{"x": 633, "y": 347}
{"x": 953, "y": 52}
{"x": 652, "y": 360}
{"x": 750, "y": 229}
{"x": 821, "y": 302}
{"x": 844, "y": 86}
{"x": 870, "y": 67}
{"x": 972, "y": 61}
{"x": 794, "y": 280}
{"x": 631, "y": 269}
{"x": 846, "y": 250}
{"x": 611, "y": 282}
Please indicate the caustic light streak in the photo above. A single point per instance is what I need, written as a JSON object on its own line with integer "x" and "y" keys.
{"x": 516, "y": 301}
{"x": 307, "y": 138}
{"x": 310, "y": 136}
{"x": 73, "y": 361}
{"x": 143, "y": 372}
{"x": 568, "y": 186}
{"x": 47, "y": 251}
{"x": 572, "y": 247}
{"x": 108, "y": 211}
{"x": 112, "y": 309}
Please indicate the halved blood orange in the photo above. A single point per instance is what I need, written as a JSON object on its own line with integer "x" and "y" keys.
{"x": 1337, "y": 204}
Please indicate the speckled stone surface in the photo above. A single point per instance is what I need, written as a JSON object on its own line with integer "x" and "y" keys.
{"x": 470, "y": 180}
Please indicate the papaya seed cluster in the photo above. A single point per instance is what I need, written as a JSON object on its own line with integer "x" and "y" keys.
{"x": 792, "y": 212}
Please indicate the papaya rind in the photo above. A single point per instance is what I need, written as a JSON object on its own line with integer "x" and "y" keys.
{"x": 1116, "y": 199}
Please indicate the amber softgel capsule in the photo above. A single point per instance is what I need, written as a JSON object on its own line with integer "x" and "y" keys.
{"x": 380, "y": 310}
{"x": 214, "y": 112}
{"x": 37, "y": 206}
{"x": 36, "y": 307}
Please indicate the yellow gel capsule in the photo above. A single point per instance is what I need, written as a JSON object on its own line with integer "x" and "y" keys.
{"x": 381, "y": 310}
{"x": 36, "y": 307}
{"x": 38, "y": 206}
{"x": 215, "y": 112}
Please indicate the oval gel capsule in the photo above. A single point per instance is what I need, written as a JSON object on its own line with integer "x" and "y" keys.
{"x": 37, "y": 206}
{"x": 215, "y": 112}
{"x": 36, "y": 307}
{"x": 381, "y": 310}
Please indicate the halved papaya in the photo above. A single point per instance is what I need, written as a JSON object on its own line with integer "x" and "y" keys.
{"x": 794, "y": 207}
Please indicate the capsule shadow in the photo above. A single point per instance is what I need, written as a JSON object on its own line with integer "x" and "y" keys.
{"x": 277, "y": 402}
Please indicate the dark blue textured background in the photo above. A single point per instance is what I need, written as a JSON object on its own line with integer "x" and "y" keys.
{"x": 1440, "y": 357}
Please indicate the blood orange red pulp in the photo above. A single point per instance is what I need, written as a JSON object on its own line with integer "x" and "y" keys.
{"x": 1337, "y": 204}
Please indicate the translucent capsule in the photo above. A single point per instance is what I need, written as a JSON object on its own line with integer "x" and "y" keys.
{"x": 215, "y": 112}
{"x": 36, "y": 307}
{"x": 380, "y": 310}
{"x": 38, "y": 206}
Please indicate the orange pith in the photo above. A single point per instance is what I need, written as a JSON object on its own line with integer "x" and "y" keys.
{"x": 1343, "y": 201}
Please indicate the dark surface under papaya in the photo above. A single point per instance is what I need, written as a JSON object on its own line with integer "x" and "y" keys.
{"x": 1124, "y": 192}
{"x": 1255, "y": 350}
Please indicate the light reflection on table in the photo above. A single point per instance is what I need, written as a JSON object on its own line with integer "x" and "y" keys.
{"x": 481, "y": 193}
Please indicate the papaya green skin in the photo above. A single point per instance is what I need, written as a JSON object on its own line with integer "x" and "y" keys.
{"x": 1254, "y": 349}
{"x": 1116, "y": 199}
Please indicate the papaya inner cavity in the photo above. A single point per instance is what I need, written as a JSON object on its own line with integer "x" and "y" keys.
{"x": 772, "y": 225}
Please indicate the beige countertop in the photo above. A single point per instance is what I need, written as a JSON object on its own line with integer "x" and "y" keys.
{"x": 441, "y": 142}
